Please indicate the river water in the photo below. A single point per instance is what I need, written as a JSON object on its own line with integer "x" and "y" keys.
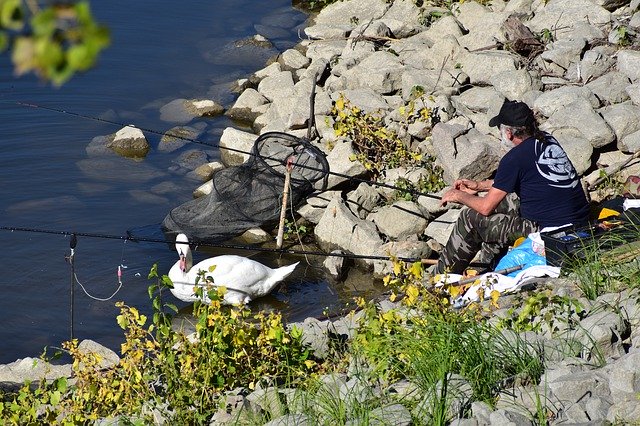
{"x": 160, "y": 51}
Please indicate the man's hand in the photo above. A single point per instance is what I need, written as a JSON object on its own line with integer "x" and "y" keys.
{"x": 451, "y": 196}
{"x": 469, "y": 186}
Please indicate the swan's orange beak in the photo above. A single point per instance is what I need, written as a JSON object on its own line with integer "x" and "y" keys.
{"x": 183, "y": 263}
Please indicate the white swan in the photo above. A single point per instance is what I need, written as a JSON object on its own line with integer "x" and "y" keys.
{"x": 245, "y": 279}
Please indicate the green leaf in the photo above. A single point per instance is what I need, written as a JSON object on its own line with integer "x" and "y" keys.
{"x": 44, "y": 23}
{"x": 11, "y": 14}
{"x": 4, "y": 41}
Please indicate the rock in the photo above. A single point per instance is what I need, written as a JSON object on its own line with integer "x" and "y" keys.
{"x": 395, "y": 414}
{"x": 316, "y": 205}
{"x": 564, "y": 52}
{"x": 463, "y": 154}
{"x": 277, "y": 86}
{"x": 341, "y": 229}
{"x": 255, "y": 236}
{"x": 440, "y": 229}
{"x": 177, "y": 137}
{"x": 400, "y": 220}
{"x": 381, "y": 71}
{"x": 107, "y": 358}
{"x": 610, "y": 88}
{"x": 401, "y": 249}
{"x": 514, "y": 84}
{"x": 563, "y": 17}
{"x": 295, "y": 419}
{"x": 292, "y": 59}
{"x": 603, "y": 333}
{"x": 336, "y": 266}
{"x": 129, "y": 142}
{"x": 549, "y": 102}
{"x": 314, "y": 335}
{"x": 232, "y": 141}
{"x": 595, "y": 63}
{"x": 248, "y": 106}
{"x": 32, "y": 369}
{"x": 579, "y": 115}
{"x": 482, "y": 66}
{"x": 205, "y": 171}
{"x": 628, "y": 63}
{"x": 191, "y": 159}
{"x": 362, "y": 200}
{"x": 340, "y": 160}
{"x": 203, "y": 107}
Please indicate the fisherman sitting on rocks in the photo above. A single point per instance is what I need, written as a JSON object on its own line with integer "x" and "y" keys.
{"x": 535, "y": 186}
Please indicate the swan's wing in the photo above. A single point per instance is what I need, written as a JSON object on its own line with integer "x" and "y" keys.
{"x": 235, "y": 272}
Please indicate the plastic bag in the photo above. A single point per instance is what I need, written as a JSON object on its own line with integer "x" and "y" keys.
{"x": 524, "y": 255}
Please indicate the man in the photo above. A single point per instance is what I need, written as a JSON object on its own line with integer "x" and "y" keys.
{"x": 537, "y": 170}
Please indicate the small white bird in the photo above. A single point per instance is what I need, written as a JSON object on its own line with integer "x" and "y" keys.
{"x": 244, "y": 279}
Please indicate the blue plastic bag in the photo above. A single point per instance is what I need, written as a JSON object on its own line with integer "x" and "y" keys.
{"x": 521, "y": 255}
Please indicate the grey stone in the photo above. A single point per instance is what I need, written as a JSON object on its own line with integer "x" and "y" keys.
{"x": 247, "y": 106}
{"x": 390, "y": 415}
{"x": 203, "y": 107}
{"x": 316, "y": 205}
{"x": 630, "y": 143}
{"x": 293, "y": 59}
{"x": 400, "y": 220}
{"x": 483, "y": 26}
{"x": 623, "y": 118}
{"x": 628, "y": 63}
{"x": 564, "y": 16}
{"x": 341, "y": 229}
{"x": 440, "y": 228}
{"x": 129, "y": 142}
{"x": 434, "y": 81}
{"x": 177, "y": 137}
{"x": 564, "y": 52}
{"x": 367, "y": 99}
{"x": 579, "y": 115}
{"x": 504, "y": 417}
{"x": 482, "y": 66}
{"x": 602, "y": 331}
{"x": 633, "y": 90}
{"x": 550, "y": 101}
{"x": 191, "y": 159}
{"x": 314, "y": 335}
{"x": 472, "y": 155}
{"x": 340, "y": 160}
{"x": 294, "y": 419}
{"x": 362, "y": 200}
{"x": 514, "y": 84}
{"x": 380, "y": 71}
{"x": 403, "y": 18}
{"x": 32, "y": 369}
{"x": 341, "y": 13}
{"x": 277, "y": 86}
{"x": 336, "y": 266}
{"x": 233, "y": 139}
{"x": 610, "y": 88}
{"x": 596, "y": 62}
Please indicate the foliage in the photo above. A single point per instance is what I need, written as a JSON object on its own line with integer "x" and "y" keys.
{"x": 554, "y": 312}
{"x": 160, "y": 368}
{"x": 377, "y": 147}
{"x": 433, "y": 344}
{"x": 426, "y": 184}
{"x": 294, "y": 230}
{"x": 55, "y": 41}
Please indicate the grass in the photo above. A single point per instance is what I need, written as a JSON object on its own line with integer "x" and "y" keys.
{"x": 444, "y": 360}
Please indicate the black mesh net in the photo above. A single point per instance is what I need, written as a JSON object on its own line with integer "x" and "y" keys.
{"x": 250, "y": 195}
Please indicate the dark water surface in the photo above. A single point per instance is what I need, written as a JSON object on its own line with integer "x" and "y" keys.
{"x": 160, "y": 51}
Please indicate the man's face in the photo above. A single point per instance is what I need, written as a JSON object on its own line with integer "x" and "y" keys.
{"x": 505, "y": 138}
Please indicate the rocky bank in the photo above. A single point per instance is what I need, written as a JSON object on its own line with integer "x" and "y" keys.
{"x": 575, "y": 62}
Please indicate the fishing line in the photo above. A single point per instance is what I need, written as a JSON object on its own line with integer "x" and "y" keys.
{"x": 209, "y": 244}
{"x": 239, "y": 151}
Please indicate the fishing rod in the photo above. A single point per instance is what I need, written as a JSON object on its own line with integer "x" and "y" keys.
{"x": 131, "y": 238}
{"x": 212, "y": 145}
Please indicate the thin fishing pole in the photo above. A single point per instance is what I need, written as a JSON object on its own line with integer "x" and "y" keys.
{"x": 129, "y": 237}
{"x": 239, "y": 151}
